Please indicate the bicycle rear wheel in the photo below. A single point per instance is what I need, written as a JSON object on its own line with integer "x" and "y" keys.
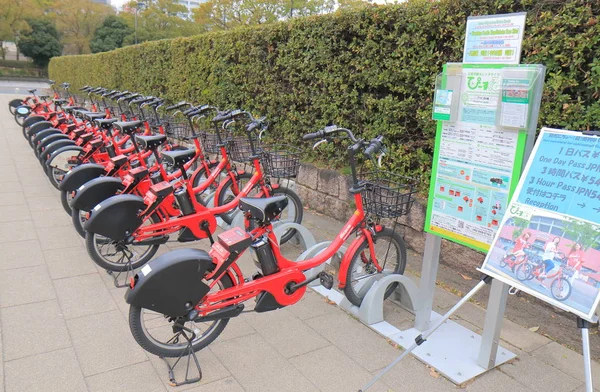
{"x": 390, "y": 252}
{"x": 523, "y": 272}
{"x": 561, "y": 289}
{"x": 154, "y": 331}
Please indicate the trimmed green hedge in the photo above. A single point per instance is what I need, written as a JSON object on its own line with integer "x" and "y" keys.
{"x": 371, "y": 70}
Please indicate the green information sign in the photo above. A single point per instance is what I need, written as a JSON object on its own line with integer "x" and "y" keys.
{"x": 485, "y": 114}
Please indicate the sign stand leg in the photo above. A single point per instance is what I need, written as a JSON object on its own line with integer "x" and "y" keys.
{"x": 494, "y": 317}
{"x": 584, "y": 325}
{"x": 423, "y": 337}
{"x": 431, "y": 262}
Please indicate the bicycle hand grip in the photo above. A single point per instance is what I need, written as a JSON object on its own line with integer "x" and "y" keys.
{"x": 176, "y": 106}
{"x": 313, "y": 135}
{"x": 375, "y": 146}
{"x": 223, "y": 116}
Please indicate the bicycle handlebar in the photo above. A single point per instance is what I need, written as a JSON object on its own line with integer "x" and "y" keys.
{"x": 328, "y": 130}
{"x": 178, "y": 105}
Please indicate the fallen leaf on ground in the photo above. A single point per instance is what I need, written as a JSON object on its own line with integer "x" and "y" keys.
{"x": 534, "y": 329}
{"x": 433, "y": 373}
{"x": 465, "y": 277}
{"x": 330, "y": 302}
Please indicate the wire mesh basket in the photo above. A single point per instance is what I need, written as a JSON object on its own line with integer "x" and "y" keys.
{"x": 176, "y": 127}
{"x": 209, "y": 142}
{"x": 387, "y": 195}
{"x": 281, "y": 161}
{"x": 240, "y": 148}
{"x": 149, "y": 114}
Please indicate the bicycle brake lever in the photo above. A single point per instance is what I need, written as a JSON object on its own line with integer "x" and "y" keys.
{"x": 380, "y": 158}
{"x": 318, "y": 143}
{"x": 260, "y": 134}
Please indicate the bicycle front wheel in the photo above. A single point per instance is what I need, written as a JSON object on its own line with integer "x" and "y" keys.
{"x": 390, "y": 252}
{"x": 561, "y": 289}
{"x": 523, "y": 272}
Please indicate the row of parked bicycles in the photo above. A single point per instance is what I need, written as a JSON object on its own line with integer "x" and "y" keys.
{"x": 135, "y": 173}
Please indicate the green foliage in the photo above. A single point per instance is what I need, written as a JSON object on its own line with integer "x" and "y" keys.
{"x": 110, "y": 34}
{"x": 371, "y": 70}
{"x": 41, "y": 43}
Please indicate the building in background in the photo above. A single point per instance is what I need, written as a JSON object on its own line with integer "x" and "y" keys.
{"x": 190, "y": 4}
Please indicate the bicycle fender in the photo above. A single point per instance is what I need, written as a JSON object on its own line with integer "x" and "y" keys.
{"x": 79, "y": 175}
{"x": 116, "y": 217}
{"x": 38, "y": 127}
{"x": 29, "y": 121}
{"x": 60, "y": 158}
{"x": 49, "y": 138}
{"x": 347, "y": 258}
{"x": 95, "y": 191}
{"x": 42, "y": 135}
{"x": 16, "y": 103}
{"x": 55, "y": 146}
{"x": 171, "y": 284}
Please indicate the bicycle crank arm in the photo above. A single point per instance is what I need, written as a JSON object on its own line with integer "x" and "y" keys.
{"x": 326, "y": 280}
{"x": 227, "y": 312}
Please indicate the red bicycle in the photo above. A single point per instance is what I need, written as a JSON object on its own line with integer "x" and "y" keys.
{"x": 186, "y": 297}
{"x": 125, "y": 231}
{"x": 560, "y": 288}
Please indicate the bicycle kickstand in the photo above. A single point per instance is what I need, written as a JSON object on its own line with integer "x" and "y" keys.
{"x": 190, "y": 354}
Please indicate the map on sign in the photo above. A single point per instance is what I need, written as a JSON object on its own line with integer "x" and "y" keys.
{"x": 495, "y": 39}
{"x": 548, "y": 243}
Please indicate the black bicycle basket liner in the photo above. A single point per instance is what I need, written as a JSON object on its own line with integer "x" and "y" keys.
{"x": 387, "y": 195}
{"x": 281, "y": 161}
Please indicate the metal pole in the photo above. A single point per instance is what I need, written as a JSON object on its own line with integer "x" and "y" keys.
{"x": 584, "y": 325}
{"x": 423, "y": 337}
{"x": 135, "y": 23}
{"x": 429, "y": 270}
{"x": 494, "y": 317}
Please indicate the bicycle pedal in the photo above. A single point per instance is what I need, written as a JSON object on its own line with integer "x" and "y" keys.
{"x": 326, "y": 280}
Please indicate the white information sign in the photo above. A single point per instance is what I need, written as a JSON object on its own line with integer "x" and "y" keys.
{"x": 494, "y": 39}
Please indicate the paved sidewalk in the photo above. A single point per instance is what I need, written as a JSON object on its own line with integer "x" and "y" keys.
{"x": 63, "y": 325}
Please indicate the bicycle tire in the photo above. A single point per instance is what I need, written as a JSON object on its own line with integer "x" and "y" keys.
{"x": 351, "y": 293}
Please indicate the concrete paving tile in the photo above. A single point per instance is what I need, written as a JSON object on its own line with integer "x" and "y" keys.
{"x": 58, "y": 237}
{"x": 17, "y": 231}
{"x": 14, "y": 213}
{"x": 103, "y": 342}
{"x": 228, "y": 384}
{"x": 443, "y": 300}
{"x": 13, "y": 199}
{"x": 1, "y": 365}
{"x": 45, "y": 203}
{"x": 51, "y": 218}
{"x": 329, "y": 369}
{"x": 212, "y": 369}
{"x": 10, "y": 176}
{"x": 496, "y": 381}
{"x": 68, "y": 262}
{"x": 83, "y": 295}
{"x": 56, "y": 371}
{"x": 512, "y": 333}
{"x": 236, "y": 327}
{"x": 251, "y": 355}
{"x": 42, "y": 189}
{"x": 24, "y": 337}
{"x": 287, "y": 333}
{"x": 397, "y": 316}
{"x": 25, "y": 285}
{"x": 20, "y": 254}
{"x": 537, "y": 375}
{"x": 140, "y": 377}
{"x": 567, "y": 361}
{"x": 522, "y": 337}
{"x": 410, "y": 375}
{"x": 311, "y": 305}
{"x": 10, "y": 186}
{"x": 352, "y": 337}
